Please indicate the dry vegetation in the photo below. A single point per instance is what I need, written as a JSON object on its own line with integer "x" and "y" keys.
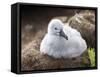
{"x": 33, "y": 33}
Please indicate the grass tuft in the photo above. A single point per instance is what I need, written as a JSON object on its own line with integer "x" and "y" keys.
{"x": 91, "y": 53}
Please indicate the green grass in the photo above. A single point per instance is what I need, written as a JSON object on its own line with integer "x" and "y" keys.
{"x": 91, "y": 53}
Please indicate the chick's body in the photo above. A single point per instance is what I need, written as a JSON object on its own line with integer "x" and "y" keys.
{"x": 57, "y": 46}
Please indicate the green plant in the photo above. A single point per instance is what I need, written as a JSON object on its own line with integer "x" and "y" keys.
{"x": 91, "y": 53}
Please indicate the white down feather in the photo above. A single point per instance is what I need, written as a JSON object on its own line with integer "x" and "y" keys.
{"x": 56, "y": 46}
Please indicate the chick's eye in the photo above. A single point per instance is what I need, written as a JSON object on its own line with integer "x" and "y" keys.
{"x": 55, "y": 28}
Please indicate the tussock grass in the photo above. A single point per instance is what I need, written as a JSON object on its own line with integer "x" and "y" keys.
{"x": 91, "y": 54}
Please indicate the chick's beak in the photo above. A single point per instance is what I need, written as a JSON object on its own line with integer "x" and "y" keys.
{"x": 63, "y": 34}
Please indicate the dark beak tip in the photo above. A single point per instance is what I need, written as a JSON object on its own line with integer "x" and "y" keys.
{"x": 66, "y": 38}
{"x": 63, "y": 35}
